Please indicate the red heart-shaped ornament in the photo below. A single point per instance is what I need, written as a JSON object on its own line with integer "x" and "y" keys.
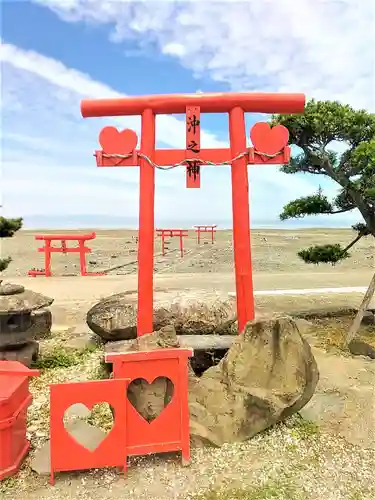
{"x": 114, "y": 141}
{"x": 269, "y": 140}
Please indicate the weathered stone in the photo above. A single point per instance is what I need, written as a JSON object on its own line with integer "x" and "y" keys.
{"x": 16, "y": 329}
{"x": 78, "y": 410}
{"x": 16, "y": 299}
{"x": 195, "y": 342}
{"x": 208, "y": 349}
{"x": 87, "y": 435}
{"x": 368, "y": 318}
{"x": 10, "y": 288}
{"x": 303, "y": 325}
{"x": 15, "y": 322}
{"x": 80, "y": 342}
{"x": 361, "y": 348}
{"x": 22, "y": 320}
{"x": 268, "y": 374}
{"x": 14, "y": 339}
{"x": 190, "y": 312}
{"x": 41, "y": 323}
{"x": 25, "y": 354}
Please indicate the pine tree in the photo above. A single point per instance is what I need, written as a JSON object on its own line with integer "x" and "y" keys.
{"x": 7, "y": 229}
{"x": 353, "y": 171}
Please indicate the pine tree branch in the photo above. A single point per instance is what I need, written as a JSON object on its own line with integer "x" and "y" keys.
{"x": 342, "y": 211}
{"x": 357, "y": 238}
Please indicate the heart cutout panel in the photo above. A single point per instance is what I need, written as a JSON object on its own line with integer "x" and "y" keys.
{"x": 89, "y": 427}
{"x": 269, "y": 140}
{"x": 114, "y": 141}
{"x": 150, "y": 399}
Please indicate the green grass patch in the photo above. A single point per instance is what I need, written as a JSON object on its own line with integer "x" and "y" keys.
{"x": 304, "y": 429}
{"x": 58, "y": 357}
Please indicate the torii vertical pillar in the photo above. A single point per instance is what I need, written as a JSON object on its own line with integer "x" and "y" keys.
{"x": 269, "y": 147}
{"x": 146, "y": 224}
{"x": 241, "y": 219}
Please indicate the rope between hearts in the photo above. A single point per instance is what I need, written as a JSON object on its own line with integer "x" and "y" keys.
{"x": 187, "y": 161}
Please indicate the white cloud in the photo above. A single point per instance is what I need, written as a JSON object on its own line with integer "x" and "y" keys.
{"x": 47, "y": 163}
{"x": 324, "y": 48}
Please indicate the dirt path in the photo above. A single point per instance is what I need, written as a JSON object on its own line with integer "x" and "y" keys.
{"x": 87, "y": 288}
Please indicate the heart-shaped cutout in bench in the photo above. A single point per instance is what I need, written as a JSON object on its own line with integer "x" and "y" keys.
{"x": 150, "y": 399}
{"x": 89, "y": 427}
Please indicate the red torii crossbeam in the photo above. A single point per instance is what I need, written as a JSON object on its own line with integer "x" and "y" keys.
{"x": 269, "y": 147}
{"x": 205, "y": 229}
{"x": 48, "y": 249}
{"x": 171, "y": 233}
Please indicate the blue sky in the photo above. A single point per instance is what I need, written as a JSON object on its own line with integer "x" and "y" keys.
{"x": 56, "y": 52}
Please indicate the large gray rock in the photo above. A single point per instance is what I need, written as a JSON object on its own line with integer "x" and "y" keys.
{"x": 190, "y": 312}
{"x": 268, "y": 374}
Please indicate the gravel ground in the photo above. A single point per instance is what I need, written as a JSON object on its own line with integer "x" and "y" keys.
{"x": 297, "y": 456}
{"x": 321, "y": 466}
{"x": 273, "y": 251}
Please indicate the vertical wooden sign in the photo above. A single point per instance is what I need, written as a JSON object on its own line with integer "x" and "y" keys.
{"x": 193, "y": 145}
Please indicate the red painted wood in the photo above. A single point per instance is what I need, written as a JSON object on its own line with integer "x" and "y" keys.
{"x": 146, "y": 227}
{"x": 166, "y": 157}
{"x": 66, "y": 237}
{"x": 193, "y": 146}
{"x": 241, "y": 220}
{"x": 208, "y": 103}
{"x": 170, "y": 430}
{"x": 66, "y": 453}
{"x": 15, "y": 398}
{"x": 113, "y": 140}
{"x": 171, "y": 233}
{"x": 233, "y": 103}
{"x": 66, "y": 249}
{"x": 205, "y": 229}
{"x": 48, "y": 249}
{"x": 269, "y": 140}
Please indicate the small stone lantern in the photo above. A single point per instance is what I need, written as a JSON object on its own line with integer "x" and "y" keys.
{"x": 23, "y": 320}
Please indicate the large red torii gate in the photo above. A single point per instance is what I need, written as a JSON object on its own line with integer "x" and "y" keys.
{"x": 119, "y": 150}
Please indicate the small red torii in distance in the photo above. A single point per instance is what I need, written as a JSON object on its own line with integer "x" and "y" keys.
{"x": 48, "y": 249}
{"x": 171, "y": 233}
{"x": 205, "y": 229}
{"x": 269, "y": 147}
